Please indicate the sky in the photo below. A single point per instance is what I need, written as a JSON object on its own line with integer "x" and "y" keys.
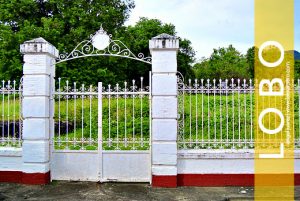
{"x": 208, "y": 24}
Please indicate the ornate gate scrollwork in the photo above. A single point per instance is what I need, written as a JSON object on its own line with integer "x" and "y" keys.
{"x": 101, "y": 44}
{"x": 180, "y": 107}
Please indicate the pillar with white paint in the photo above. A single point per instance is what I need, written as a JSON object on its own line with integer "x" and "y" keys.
{"x": 164, "y": 50}
{"x": 37, "y": 109}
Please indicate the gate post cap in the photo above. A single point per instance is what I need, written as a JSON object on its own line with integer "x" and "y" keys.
{"x": 164, "y": 42}
{"x": 38, "y": 46}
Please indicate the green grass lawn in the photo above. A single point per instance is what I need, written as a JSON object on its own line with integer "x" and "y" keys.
{"x": 133, "y": 123}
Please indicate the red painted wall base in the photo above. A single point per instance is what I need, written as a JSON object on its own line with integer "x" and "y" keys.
{"x": 214, "y": 180}
{"x": 25, "y": 178}
{"x": 164, "y": 181}
{"x": 208, "y": 180}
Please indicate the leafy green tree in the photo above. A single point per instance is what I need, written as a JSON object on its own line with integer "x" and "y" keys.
{"x": 297, "y": 69}
{"x": 137, "y": 38}
{"x": 224, "y": 63}
{"x": 250, "y": 56}
{"x": 63, "y": 23}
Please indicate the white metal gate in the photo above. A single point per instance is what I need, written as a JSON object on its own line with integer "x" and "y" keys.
{"x": 102, "y": 133}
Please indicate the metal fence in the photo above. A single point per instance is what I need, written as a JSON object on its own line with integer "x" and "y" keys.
{"x": 213, "y": 114}
{"x": 219, "y": 114}
{"x": 11, "y": 114}
{"x": 113, "y": 117}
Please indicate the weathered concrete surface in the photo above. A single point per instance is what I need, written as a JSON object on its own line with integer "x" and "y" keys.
{"x": 121, "y": 192}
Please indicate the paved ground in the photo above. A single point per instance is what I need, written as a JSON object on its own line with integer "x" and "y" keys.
{"x": 121, "y": 192}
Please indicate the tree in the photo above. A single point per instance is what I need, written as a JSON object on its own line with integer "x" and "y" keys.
{"x": 137, "y": 38}
{"x": 63, "y": 23}
{"x": 224, "y": 63}
{"x": 250, "y": 56}
{"x": 297, "y": 69}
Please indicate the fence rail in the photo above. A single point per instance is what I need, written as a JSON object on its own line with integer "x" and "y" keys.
{"x": 125, "y": 116}
{"x": 218, "y": 114}
{"x": 11, "y": 114}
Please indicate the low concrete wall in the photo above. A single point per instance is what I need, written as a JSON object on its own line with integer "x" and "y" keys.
{"x": 10, "y": 159}
{"x": 220, "y": 168}
{"x": 11, "y": 168}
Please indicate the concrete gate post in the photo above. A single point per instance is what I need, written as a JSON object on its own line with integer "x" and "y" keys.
{"x": 37, "y": 109}
{"x": 164, "y": 50}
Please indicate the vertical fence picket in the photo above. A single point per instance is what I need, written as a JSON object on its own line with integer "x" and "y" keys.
{"x": 232, "y": 91}
{"x": 227, "y": 114}
{"x": 215, "y": 120}
{"x": 150, "y": 111}
{"x": 14, "y": 113}
{"x": 3, "y": 95}
{"x": 125, "y": 113}
{"x": 190, "y": 111}
{"x": 221, "y": 115}
{"x": 82, "y": 116}
{"x": 109, "y": 116}
{"x": 133, "y": 114}
{"x": 59, "y": 115}
{"x": 8, "y": 111}
{"x": 202, "y": 113}
{"x": 208, "y": 113}
{"x": 251, "y": 113}
{"x": 20, "y": 92}
{"x": 90, "y": 114}
{"x": 117, "y": 90}
{"x": 245, "y": 112}
{"x": 239, "y": 109}
{"x": 67, "y": 115}
{"x": 75, "y": 107}
{"x": 141, "y": 110}
{"x": 196, "y": 114}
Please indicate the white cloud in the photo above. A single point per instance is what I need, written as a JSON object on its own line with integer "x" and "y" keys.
{"x": 207, "y": 23}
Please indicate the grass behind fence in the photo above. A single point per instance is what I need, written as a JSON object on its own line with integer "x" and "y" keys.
{"x": 212, "y": 127}
{"x": 135, "y": 127}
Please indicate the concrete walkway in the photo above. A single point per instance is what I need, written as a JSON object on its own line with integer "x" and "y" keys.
{"x": 121, "y": 192}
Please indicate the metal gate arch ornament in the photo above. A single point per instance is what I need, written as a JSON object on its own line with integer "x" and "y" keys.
{"x": 102, "y": 44}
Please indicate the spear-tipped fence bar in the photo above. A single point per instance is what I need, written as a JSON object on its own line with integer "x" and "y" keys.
{"x": 11, "y": 114}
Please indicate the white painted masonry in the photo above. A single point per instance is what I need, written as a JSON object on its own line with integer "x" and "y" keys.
{"x": 11, "y": 159}
{"x": 164, "y": 105}
{"x": 38, "y": 81}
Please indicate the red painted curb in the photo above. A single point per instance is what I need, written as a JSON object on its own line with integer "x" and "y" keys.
{"x": 208, "y": 180}
{"x": 219, "y": 180}
{"x": 25, "y": 178}
{"x": 36, "y": 178}
{"x": 297, "y": 179}
{"x": 215, "y": 180}
{"x": 164, "y": 181}
{"x": 11, "y": 176}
